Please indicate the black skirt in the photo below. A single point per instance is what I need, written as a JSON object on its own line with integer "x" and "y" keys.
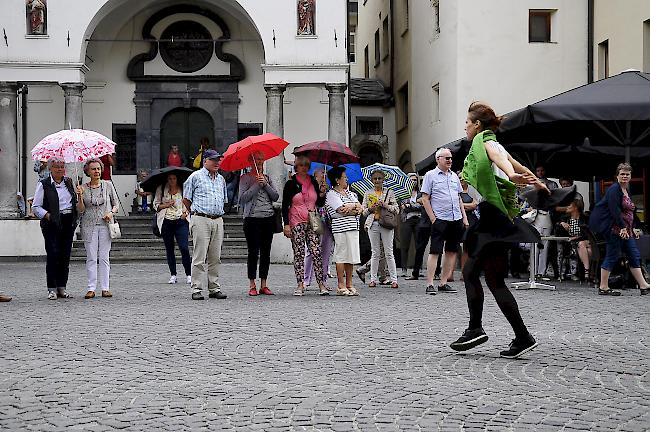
{"x": 495, "y": 227}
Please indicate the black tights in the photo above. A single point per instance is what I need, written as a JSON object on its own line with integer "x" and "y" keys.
{"x": 493, "y": 260}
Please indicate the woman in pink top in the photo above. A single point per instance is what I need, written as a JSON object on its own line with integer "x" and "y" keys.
{"x": 302, "y": 194}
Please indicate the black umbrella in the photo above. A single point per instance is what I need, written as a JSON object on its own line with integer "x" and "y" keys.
{"x": 611, "y": 116}
{"x": 459, "y": 150}
{"x": 159, "y": 177}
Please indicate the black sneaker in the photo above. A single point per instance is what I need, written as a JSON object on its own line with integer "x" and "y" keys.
{"x": 197, "y": 296}
{"x": 218, "y": 295}
{"x": 362, "y": 275}
{"x": 470, "y": 339}
{"x": 519, "y": 347}
{"x": 447, "y": 288}
{"x": 431, "y": 289}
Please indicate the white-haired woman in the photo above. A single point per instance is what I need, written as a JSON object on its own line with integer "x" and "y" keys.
{"x": 55, "y": 204}
{"x": 97, "y": 205}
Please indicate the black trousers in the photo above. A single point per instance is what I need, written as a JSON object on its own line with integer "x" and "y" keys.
{"x": 58, "y": 245}
{"x": 493, "y": 261}
{"x": 422, "y": 235}
{"x": 259, "y": 236}
{"x": 408, "y": 230}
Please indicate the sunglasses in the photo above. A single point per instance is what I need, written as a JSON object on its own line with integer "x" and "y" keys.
{"x": 446, "y": 157}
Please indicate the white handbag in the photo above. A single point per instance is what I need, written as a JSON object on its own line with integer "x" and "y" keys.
{"x": 114, "y": 229}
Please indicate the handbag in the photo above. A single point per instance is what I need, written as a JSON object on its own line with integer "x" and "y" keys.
{"x": 114, "y": 229}
{"x": 278, "y": 227}
{"x": 315, "y": 222}
{"x": 387, "y": 218}
{"x": 154, "y": 226}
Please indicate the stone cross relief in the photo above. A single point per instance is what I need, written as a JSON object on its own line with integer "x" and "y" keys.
{"x": 306, "y": 17}
{"x": 35, "y": 10}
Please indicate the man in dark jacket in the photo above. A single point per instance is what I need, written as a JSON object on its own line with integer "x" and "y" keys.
{"x": 55, "y": 204}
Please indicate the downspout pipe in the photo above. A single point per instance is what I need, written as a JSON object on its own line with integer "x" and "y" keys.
{"x": 590, "y": 41}
{"x": 391, "y": 12}
{"x": 24, "y": 91}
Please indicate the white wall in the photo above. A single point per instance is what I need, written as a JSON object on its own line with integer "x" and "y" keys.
{"x": 621, "y": 23}
{"x": 483, "y": 53}
{"x": 21, "y": 237}
{"x": 63, "y": 62}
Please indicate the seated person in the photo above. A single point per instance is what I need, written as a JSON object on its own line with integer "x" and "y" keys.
{"x": 143, "y": 199}
{"x": 572, "y": 224}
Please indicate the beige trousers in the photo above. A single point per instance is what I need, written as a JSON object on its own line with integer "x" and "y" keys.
{"x": 207, "y": 237}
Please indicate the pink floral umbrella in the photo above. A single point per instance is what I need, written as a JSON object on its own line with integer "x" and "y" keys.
{"x": 73, "y": 145}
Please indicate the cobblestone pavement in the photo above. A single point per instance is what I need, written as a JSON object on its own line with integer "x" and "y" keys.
{"x": 151, "y": 358}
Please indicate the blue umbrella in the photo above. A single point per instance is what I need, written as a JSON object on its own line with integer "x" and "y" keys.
{"x": 352, "y": 170}
{"x": 396, "y": 179}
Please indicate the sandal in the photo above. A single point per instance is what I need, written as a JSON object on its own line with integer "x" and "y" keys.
{"x": 353, "y": 291}
{"x": 609, "y": 291}
{"x": 324, "y": 291}
{"x": 299, "y": 292}
{"x": 343, "y": 292}
{"x": 372, "y": 284}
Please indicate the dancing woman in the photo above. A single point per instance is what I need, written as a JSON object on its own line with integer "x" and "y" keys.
{"x": 493, "y": 172}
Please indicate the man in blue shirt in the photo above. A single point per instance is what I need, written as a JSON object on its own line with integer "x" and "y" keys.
{"x": 441, "y": 190}
{"x": 204, "y": 193}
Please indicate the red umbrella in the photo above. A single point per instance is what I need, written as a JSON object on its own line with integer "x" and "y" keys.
{"x": 327, "y": 152}
{"x": 260, "y": 147}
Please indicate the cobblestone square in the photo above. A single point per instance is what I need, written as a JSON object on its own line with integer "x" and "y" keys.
{"x": 150, "y": 358}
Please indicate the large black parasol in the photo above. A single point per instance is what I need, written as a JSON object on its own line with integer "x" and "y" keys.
{"x": 159, "y": 177}
{"x": 607, "y": 117}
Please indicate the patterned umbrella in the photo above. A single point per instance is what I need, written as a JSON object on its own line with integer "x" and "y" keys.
{"x": 263, "y": 147}
{"x": 396, "y": 179}
{"x": 327, "y": 152}
{"x": 73, "y": 145}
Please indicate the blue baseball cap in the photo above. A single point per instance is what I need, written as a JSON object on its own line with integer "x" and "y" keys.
{"x": 212, "y": 154}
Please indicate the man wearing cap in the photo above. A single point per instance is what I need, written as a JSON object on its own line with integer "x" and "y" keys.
{"x": 204, "y": 193}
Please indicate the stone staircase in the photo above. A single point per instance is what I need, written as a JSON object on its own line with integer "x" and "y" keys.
{"x": 138, "y": 242}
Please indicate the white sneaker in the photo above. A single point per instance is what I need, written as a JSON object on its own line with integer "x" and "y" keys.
{"x": 51, "y": 295}
{"x": 189, "y": 280}
{"x": 172, "y": 280}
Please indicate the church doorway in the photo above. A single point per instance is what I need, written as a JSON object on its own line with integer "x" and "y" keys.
{"x": 185, "y": 127}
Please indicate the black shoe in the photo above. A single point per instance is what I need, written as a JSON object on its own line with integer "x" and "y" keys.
{"x": 431, "y": 289}
{"x": 447, "y": 288}
{"x": 645, "y": 291}
{"x": 609, "y": 291}
{"x": 197, "y": 296}
{"x": 518, "y": 347}
{"x": 361, "y": 275}
{"x": 470, "y": 339}
{"x": 412, "y": 277}
{"x": 218, "y": 295}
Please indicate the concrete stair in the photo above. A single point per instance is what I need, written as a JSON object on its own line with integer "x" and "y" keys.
{"x": 138, "y": 242}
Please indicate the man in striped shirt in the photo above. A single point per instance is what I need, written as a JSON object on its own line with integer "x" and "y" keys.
{"x": 204, "y": 193}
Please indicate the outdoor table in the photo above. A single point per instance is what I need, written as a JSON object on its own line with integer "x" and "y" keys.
{"x": 531, "y": 283}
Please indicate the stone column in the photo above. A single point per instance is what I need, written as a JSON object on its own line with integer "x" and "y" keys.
{"x": 336, "y": 130}
{"x": 275, "y": 168}
{"x": 74, "y": 118}
{"x": 8, "y": 150}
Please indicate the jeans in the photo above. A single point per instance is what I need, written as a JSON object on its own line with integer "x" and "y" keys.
{"x": 259, "y": 236}
{"x": 616, "y": 246}
{"x": 179, "y": 229}
{"x": 98, "y": 245}
{"x": 408, "y": 230}
{"x": 58, "y": 245}
{"x": 380, "y": 235}
{"x": 493, "y": 261}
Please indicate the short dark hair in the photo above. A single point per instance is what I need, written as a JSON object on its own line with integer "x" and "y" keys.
{"x": 335, "y": 174}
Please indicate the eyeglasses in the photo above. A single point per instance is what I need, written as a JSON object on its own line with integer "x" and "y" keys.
{"x": 377, "y": 178}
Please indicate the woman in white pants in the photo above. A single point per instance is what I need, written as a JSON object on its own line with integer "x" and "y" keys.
{"x": 373, "y": 201}
{"x": 97, "y": 203}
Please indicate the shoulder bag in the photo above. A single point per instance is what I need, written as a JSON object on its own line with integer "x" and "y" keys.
{"x": 114, "y": 229}
{"x": 387, "y": 218}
